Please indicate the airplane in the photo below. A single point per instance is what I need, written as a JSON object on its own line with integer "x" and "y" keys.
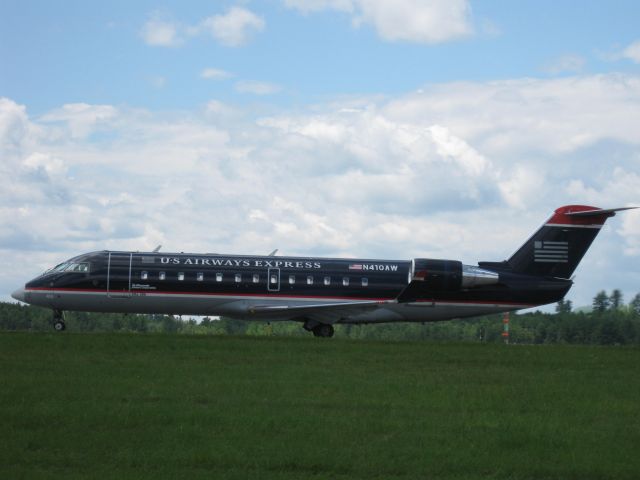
{"x": 321, "y": 292}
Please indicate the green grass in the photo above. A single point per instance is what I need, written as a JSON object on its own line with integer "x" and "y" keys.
{"x": 161, "y": 406}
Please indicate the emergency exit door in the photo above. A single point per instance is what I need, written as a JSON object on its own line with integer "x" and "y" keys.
{"x": 273, "y": 279}
{"x": 119, "y": 275}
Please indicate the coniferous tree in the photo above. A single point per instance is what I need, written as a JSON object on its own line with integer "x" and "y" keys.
{"x": 615, "y": 299}
{"x": 601, "y": 302}
{"x": 635, "y": 304}
{"x": 564, "y": 306}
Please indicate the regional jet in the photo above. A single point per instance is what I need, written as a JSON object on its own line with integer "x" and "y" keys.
{"x": 321, "y": 292}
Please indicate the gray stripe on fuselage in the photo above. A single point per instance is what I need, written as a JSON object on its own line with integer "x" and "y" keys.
{"x": 238, "y": 307}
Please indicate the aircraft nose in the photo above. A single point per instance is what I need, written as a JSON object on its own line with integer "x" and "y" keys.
{"x": 18, "y": 294}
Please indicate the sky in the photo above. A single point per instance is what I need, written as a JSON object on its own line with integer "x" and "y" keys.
{"x": 351, "y": 128}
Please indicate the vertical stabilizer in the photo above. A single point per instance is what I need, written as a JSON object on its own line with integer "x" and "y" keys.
{"x": 556, "y": 249}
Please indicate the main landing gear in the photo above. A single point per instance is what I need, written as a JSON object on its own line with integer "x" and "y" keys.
{"x": 58, "y": 321}
{"x": 323, "y": 330}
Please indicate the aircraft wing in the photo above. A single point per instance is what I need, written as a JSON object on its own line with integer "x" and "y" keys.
{"x": 324, "y": 313}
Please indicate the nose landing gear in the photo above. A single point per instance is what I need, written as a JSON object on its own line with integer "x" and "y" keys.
{"x": 58, "y": 321}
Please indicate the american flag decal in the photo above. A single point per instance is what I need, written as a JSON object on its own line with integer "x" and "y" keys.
{"x": 550, "y": 252}
{"x": 357, "y": 266}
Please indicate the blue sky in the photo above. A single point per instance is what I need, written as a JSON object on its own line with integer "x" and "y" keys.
{"x": 372, "y": 128}
{"x": 75, "y": 51}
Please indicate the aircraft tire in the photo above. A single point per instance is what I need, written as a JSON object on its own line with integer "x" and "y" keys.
{"x": 323, "y": 330}
{"x": 59, "y": 326}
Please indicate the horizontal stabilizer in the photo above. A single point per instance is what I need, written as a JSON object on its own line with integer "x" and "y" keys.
{"x": 604, "y": 211}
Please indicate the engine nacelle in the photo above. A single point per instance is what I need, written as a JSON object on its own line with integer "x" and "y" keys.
{"x": 449, "y": 275}
{"x": 437, "y": 274}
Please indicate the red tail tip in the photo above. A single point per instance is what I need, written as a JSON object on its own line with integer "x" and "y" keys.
{"x": 567, "y": 215}
{"x": 583, "y": 215}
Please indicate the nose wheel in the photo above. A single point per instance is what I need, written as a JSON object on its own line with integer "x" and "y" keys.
{"x": 58, "y": 321}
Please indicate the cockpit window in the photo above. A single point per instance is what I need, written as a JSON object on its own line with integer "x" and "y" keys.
{"x": 77, "y": 267}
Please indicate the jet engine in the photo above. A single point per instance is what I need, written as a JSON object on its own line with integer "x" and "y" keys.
{"x": 449, "y": 275}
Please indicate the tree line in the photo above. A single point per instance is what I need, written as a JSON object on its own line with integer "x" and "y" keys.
{"x": 609, "y": 322}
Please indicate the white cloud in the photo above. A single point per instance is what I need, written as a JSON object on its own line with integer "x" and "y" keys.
{"x": 235, "y": 27}
{"x": 630, "y": 231}
{"x": 420, "y": 21}
{"x": 566, "y": 63}
{"x": 215, "y": 74}
{"x": 522, "y": 186}
{"x": 462, "y": 171}
{"x": 217, "y": 108}
{"x": 159, "y": 32}
{"x": 619, "y": 189}
{"x": 308, "y": 6}
{"x": 448, "y": 145}
{"x": 81, "y": 118}
{"x": 49, "y": 164}
{"x": 14, "y": 127}
{"x": 526, "y": 116}
{"x": 257, "y": 88}
{"x": 632, "y": 52}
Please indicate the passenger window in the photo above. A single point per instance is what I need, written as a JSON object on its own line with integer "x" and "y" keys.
{"x": 274, "y": 279}
{"x": 181, "y": 276}
{"x": 309, "y": 280}
{"x": 144, "y": 275}
{"x": 292, "y": 279}
{"x": 218, "y": 277}
{"x": 238, "y": 278}
{"x": 162, "y": 275}
{"x": 327, "y": 280}
{"x": 256, "y": 278}
{"x": 365, "y": 282}
{"x": 345, "y": 281}
{"x": 200, "y": 276}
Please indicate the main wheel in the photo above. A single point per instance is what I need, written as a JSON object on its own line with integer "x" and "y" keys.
{"x": 323, "y": 330}
{"x": 59, "y": 326}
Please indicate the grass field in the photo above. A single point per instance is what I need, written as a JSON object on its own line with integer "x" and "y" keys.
{"x": 162, "y": 406}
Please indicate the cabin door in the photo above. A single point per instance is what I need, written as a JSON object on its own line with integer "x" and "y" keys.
{"x": 273, "y": 280}
{"x": 119, "y": 275}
